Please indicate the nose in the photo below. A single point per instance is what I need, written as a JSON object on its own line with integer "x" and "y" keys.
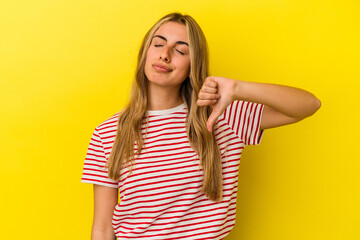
{"x": 165, "y": 56}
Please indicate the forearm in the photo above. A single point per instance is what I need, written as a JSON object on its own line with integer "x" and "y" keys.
{"x": 293, "y": 102}
{"x": 105, "y": 200}
{"x": 97, "y": 234}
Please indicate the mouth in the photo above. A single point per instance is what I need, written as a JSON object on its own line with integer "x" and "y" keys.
{"x": 161, "y": 68}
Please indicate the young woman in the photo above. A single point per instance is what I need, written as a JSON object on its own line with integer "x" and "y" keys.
{"x": 173, "y": 152}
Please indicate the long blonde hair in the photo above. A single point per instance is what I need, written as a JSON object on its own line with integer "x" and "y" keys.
{"x": 131, "y": 117}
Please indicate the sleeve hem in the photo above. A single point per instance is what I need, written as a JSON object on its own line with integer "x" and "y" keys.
{"x": 258, "y": 140}
{"x": 100, "y": 183}
{"x": 260, "y": 131}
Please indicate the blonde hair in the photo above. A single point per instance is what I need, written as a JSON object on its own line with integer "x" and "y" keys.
{"x": 131, "y": 117}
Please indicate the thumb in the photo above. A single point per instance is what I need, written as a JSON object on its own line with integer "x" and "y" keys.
{"x": 212, "y": 119}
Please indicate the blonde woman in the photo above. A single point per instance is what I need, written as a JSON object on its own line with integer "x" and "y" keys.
{"x": 173, "y": 152}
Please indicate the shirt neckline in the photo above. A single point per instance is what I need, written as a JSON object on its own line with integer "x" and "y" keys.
{"x": 166, "y": 111}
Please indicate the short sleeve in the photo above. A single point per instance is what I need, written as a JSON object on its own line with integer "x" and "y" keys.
{"x": 94, "y": 170}
{"x": 244, "y": 119}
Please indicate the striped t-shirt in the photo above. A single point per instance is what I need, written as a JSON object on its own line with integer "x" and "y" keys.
{"x": 161, "y": 198}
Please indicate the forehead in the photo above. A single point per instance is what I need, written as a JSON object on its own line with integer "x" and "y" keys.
{"x": 173, "y": 31}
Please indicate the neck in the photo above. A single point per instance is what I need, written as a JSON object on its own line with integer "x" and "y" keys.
{"x": 161, "y": 99}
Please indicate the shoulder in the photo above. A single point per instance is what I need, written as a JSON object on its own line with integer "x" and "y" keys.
{"x": 109, "y": 124}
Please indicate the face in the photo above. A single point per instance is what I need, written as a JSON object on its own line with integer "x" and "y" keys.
{"x": 168, "y": 58}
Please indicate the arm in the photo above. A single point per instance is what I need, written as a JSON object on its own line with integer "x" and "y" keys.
{"x": 282, "y": 105}
{"x": 105, "y": 200}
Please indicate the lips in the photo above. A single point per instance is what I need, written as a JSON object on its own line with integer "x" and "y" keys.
{"x": 161, "y": 68}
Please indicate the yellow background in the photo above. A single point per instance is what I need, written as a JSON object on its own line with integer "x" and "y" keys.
{"x": 65, "y": 66}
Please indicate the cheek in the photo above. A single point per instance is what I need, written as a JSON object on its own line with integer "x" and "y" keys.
{"x": 152, "y": 52}
{"x": 149, "y": 55}
{"x": 183, "y": 64}
{"x": 187, "y": 66}
{"x": 148, "y": 59}
{"x": 147, "y": 66}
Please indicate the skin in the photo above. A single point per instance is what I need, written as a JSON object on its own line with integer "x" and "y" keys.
{"x": 169, "y": 47}
{"x": 282, "y": 104}
{"x": 105, "y": 200}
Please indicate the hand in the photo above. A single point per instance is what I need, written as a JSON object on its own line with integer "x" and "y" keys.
{"x": 218, "y": 92}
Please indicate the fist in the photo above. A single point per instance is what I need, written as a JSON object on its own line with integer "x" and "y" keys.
{"x": 217, "y": 92}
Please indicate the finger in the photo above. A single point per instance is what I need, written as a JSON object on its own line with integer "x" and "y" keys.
{"x": 206, "y": 102}
{"x": 208, "y": 89}
{"x": 207, "y": 96}
{"x": 210, "y": 82}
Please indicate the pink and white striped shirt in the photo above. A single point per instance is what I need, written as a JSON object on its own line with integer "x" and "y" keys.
{"x": 161, "y": 199}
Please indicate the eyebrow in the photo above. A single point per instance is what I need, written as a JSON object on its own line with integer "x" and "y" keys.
{"x": 178, "y": 42}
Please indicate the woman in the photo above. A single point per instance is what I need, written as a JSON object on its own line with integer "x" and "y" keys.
{"x": 173, "y": 152}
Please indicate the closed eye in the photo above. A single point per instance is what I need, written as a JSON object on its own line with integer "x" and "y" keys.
{"x": 180, "y": 52}
{"x": 160, "y": 45}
